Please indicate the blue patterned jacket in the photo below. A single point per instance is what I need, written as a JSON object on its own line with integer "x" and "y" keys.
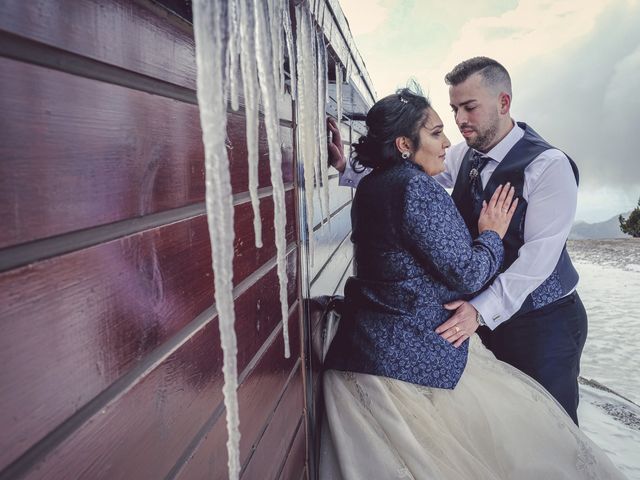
{"x": 413, "y": 253}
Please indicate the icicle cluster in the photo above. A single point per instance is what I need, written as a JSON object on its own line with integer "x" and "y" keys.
{"x": 323, "y": 85}
{"x": 210, "y": 25}
{"x": 250, "y": 36}
{"x": 339, "y": 90}
{"x": 266, "y": 48}
{"x": 312, "y": 87}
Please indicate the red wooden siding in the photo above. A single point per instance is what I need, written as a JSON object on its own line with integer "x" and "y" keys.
{"x": 110, "y": 359}
{"x": 111, "y": 364}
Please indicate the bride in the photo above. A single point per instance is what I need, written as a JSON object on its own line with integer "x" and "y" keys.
{"x": 402, "y": 402}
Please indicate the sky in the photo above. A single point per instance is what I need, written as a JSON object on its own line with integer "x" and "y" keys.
{"x": 574, "y": 65}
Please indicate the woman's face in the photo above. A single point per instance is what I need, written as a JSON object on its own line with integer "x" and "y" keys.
{"x": 433, "y": 143}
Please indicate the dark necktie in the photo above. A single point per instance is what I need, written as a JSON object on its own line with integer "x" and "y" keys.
{"x": 478, "y": 162}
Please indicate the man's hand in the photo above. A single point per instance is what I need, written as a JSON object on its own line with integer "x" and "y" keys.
{"x": 336, "y": 155}
{"x": 461, "y": 325}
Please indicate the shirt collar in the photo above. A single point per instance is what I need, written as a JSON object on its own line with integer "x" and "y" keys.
{"x": 500, "y": 151}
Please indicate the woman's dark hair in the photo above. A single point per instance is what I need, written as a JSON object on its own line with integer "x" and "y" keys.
{"x": 398, "y": 115}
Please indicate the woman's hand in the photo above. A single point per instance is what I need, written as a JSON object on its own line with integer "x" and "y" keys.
{"x": 496, "y": 215}
{"x": 334, "y": 147}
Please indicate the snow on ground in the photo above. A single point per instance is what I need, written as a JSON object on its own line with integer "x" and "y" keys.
{"x": 613, "y": 423}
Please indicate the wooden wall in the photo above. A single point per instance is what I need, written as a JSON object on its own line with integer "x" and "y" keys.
{"x": 330, "y": 254}
{"x": 110, "y": 364}
{"x": 109, "y": 353}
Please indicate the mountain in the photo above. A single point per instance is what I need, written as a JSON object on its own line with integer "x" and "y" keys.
{"x": 598, "y": 231}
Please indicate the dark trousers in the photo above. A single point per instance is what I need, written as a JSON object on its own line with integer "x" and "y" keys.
{"x": 546, "y": 344}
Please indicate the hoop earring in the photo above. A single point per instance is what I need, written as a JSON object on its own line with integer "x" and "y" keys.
{"x": 406, "y": 154}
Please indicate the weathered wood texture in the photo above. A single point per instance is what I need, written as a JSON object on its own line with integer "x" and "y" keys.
{"x": 96, "y": 153}
{"x": 110, "y": 353}
{"x": 110, "y": 356}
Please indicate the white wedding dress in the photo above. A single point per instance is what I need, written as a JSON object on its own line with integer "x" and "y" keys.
{"x": 498, "y": 423}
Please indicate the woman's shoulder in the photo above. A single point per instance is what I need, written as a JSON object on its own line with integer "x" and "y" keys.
{"x": 423, "y": 184}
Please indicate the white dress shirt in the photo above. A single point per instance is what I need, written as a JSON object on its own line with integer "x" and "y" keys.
{"x": 551, "y": 193}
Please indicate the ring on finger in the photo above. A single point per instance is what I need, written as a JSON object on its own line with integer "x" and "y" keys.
{"x": 457, "y": 329}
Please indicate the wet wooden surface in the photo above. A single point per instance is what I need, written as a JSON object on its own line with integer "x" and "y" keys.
{"x": 96, "y": 153}
{"x": 274, "y": 380}
{"x": 111, "y": 354}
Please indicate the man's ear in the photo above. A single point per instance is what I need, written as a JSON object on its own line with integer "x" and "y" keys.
{"x": 403, "y": 144}
{"x": 504, "y": 102}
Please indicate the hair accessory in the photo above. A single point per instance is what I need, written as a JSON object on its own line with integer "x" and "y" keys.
{"x": 406, "y": 154}
{"x": 402, "y": 99}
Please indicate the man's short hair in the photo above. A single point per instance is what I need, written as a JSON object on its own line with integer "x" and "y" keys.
{"x": 492, "y": 72}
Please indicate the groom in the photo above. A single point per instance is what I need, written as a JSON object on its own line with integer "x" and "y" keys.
{"x": 530, "y": 315}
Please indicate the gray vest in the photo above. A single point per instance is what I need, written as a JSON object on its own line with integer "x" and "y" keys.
{"x": 511, "y": 169}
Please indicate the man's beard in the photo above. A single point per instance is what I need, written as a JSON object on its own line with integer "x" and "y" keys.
{"x": 485, "y": 138}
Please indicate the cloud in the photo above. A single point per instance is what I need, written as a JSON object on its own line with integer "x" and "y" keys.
{"x": 575, "y": 67}
{"x": 366, "y": 20}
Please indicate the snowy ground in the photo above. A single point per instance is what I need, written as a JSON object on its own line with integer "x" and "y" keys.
{"x": 613, "y": 423}
{"x": 610, "y": 289}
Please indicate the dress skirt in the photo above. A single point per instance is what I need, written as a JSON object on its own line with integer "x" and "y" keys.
{"x": 498, "y": 423}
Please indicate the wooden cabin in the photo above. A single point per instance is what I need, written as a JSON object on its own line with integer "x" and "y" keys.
{"x": 110, "y": 353}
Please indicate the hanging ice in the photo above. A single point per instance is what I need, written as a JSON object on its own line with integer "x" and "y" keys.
{"x": 322, "y": 122}
{"x": 339, "y": 91}
{"x": 306, "y": 110}
{"x": 253, "y": 33}
{"x": 251, "y": 91}
{"x": 210, "y": 24}
{"x": 290, "y": 48}
{"x": 232, "y": 51}
{"x": 275, "y": 29}
{"x": 267, "y": 79}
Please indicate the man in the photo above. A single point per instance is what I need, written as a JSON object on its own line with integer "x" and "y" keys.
{"x": 530, "y": 315}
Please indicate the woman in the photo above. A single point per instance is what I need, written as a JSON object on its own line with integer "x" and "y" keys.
{"x": 402, "y": 402}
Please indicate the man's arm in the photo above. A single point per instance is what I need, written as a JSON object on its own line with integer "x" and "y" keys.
{"x": 552, "y": 200}
{"x": 348, "y": 177}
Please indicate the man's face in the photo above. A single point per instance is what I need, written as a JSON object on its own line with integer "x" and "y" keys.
{"x": 476, "y": 110}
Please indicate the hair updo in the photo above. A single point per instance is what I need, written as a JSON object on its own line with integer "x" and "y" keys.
{"x": 398, "y": 115}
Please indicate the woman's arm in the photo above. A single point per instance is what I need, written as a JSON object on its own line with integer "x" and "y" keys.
{"x": 438, "y": 236}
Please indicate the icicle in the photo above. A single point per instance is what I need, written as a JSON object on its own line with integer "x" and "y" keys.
{"x": 209, "y": 23}
{"x": 317, "y": 172}
{"x": 232, "y": 51}
{"x": 339, "y": 91}
{"x": 275, "y": 31}
{"x": 306, "y": 118}
{"x": 349, "y": 63}
{"x": 322, "y": 122}
{"x": 290, "y": 48}
{"x": 321, "y": 14}
{"x": 267, "y": 81}
{"x": 251, "y": 91}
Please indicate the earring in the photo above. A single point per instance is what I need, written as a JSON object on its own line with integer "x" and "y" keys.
{"x": 406, "y": 154}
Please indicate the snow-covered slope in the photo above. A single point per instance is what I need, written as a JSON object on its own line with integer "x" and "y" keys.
{"x": 613, "y": 423}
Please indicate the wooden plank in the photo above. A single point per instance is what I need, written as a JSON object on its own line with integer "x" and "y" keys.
{"x": 121, "y": 33}
{"x": 139, "y": 45}
{"x": 294, "y": 465}
{"x": 142, "y": 433}
{"x": 77, "y": 153}
{"x": 338, "y": 197}
{"x": 327, "y": 239}
{"x": 271, "y": 452}
{"x": 75, "y": 324}
{"x": 258, "y": 397}
{"x": 329, "y": 279}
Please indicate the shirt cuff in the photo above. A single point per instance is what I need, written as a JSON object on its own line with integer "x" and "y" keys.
{"x": 350, "y": 178}
{"x": 488, "y": 305}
